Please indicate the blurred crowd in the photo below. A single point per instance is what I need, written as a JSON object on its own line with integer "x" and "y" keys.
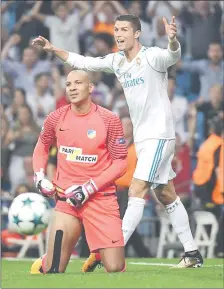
{"x": 33, "y": 85}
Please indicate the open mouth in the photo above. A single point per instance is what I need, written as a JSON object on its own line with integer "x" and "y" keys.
{"x": 120, "y": 41}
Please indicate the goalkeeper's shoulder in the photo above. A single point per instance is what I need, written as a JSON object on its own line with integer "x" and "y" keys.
{"x": 56, "y": 114}
{"x": 107, "y": 115}
{"x": 53, "y": 118}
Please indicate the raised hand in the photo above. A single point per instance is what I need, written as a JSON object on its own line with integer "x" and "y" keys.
{"x": 26, "y": 18}
{"x": 171, "y": 29}
{"x": 43, "y": 42}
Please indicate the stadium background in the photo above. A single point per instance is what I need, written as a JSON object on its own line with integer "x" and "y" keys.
{"x": 33, "y": 84}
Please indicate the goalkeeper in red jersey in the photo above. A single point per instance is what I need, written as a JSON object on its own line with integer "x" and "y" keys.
{"x": 91, "y": 156}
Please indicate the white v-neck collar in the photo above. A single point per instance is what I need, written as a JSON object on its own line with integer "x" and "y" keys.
{"x": 135, "y": 55}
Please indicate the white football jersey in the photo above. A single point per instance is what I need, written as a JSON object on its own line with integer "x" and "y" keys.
{"x": 144, "y": 81}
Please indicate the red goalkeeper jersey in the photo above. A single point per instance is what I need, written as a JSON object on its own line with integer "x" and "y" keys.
{"x": 90, "y": 146}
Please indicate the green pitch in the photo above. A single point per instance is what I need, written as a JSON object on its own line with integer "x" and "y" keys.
{"x": 141, "y": 273}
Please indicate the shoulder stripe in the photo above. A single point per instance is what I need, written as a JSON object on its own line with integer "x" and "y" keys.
{"x": 47, "y": 135}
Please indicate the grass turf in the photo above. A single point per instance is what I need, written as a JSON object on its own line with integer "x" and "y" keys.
{"x": 139, "y": 274}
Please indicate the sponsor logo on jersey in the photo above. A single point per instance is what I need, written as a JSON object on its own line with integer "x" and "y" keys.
{"x": 132, "y": 82}
{"x": 127, "y": 75}
{"x": 91, "y": 133}
{"x": 75, "y": 155}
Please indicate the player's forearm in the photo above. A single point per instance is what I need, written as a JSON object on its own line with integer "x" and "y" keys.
{"x": 109, "y": 176}
{"x": 174, "y": 44}
{"x": 173, "y": 53}
{"x": 90, "y": 63}
{"x": 60, "y": 53}
{"x": 87, "y": 63}
{"x": 40, "y": 157}
{"x": 75, "y": 60}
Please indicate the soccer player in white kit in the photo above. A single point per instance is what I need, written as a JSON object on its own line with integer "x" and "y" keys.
{"x": 142, "y": 72}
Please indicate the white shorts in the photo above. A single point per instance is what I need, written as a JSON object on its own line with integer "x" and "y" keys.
{"x": 154, "y": 161}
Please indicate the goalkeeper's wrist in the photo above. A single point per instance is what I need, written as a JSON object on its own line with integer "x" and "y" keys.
{"x": 90, "y": 187}
{"x": 38, "y": 176}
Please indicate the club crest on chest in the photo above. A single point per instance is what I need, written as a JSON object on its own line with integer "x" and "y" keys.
{"x": 91, "y": 133}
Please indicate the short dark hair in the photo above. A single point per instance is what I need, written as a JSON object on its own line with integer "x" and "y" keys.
{"x": 134, "y": 20}
{"x": 22, "y": 91}
{"x": 39, "y": 75}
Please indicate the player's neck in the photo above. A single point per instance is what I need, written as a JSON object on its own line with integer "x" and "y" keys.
{"x": 130, "y": 55}
{"x": 82, "y": 109}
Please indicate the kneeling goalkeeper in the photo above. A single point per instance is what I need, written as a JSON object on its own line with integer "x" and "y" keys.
{"x": 91, "y": 156}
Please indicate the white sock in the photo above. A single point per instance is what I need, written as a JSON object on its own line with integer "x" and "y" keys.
{"x": 132, "y": 217}
{"x": 179, "y": 219}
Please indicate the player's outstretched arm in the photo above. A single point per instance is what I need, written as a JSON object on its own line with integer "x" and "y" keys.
{"x": 161, "y": 59}
{"x": 76, "y": 60}
{"x": 40, "y": 157}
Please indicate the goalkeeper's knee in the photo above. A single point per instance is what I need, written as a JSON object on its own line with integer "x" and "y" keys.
{"x": 115, "y": 268}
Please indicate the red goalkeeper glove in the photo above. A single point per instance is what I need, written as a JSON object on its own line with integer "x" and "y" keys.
{"x": 77, "y": 195}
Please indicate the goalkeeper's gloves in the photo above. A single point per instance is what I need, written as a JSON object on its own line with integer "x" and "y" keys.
{"x": 77, "y": 195}
{"x": 44, "y": 186}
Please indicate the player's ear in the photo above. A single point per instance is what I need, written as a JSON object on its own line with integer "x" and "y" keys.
{"x": 137, "y": 34}
{"x": 91, "y": 87}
